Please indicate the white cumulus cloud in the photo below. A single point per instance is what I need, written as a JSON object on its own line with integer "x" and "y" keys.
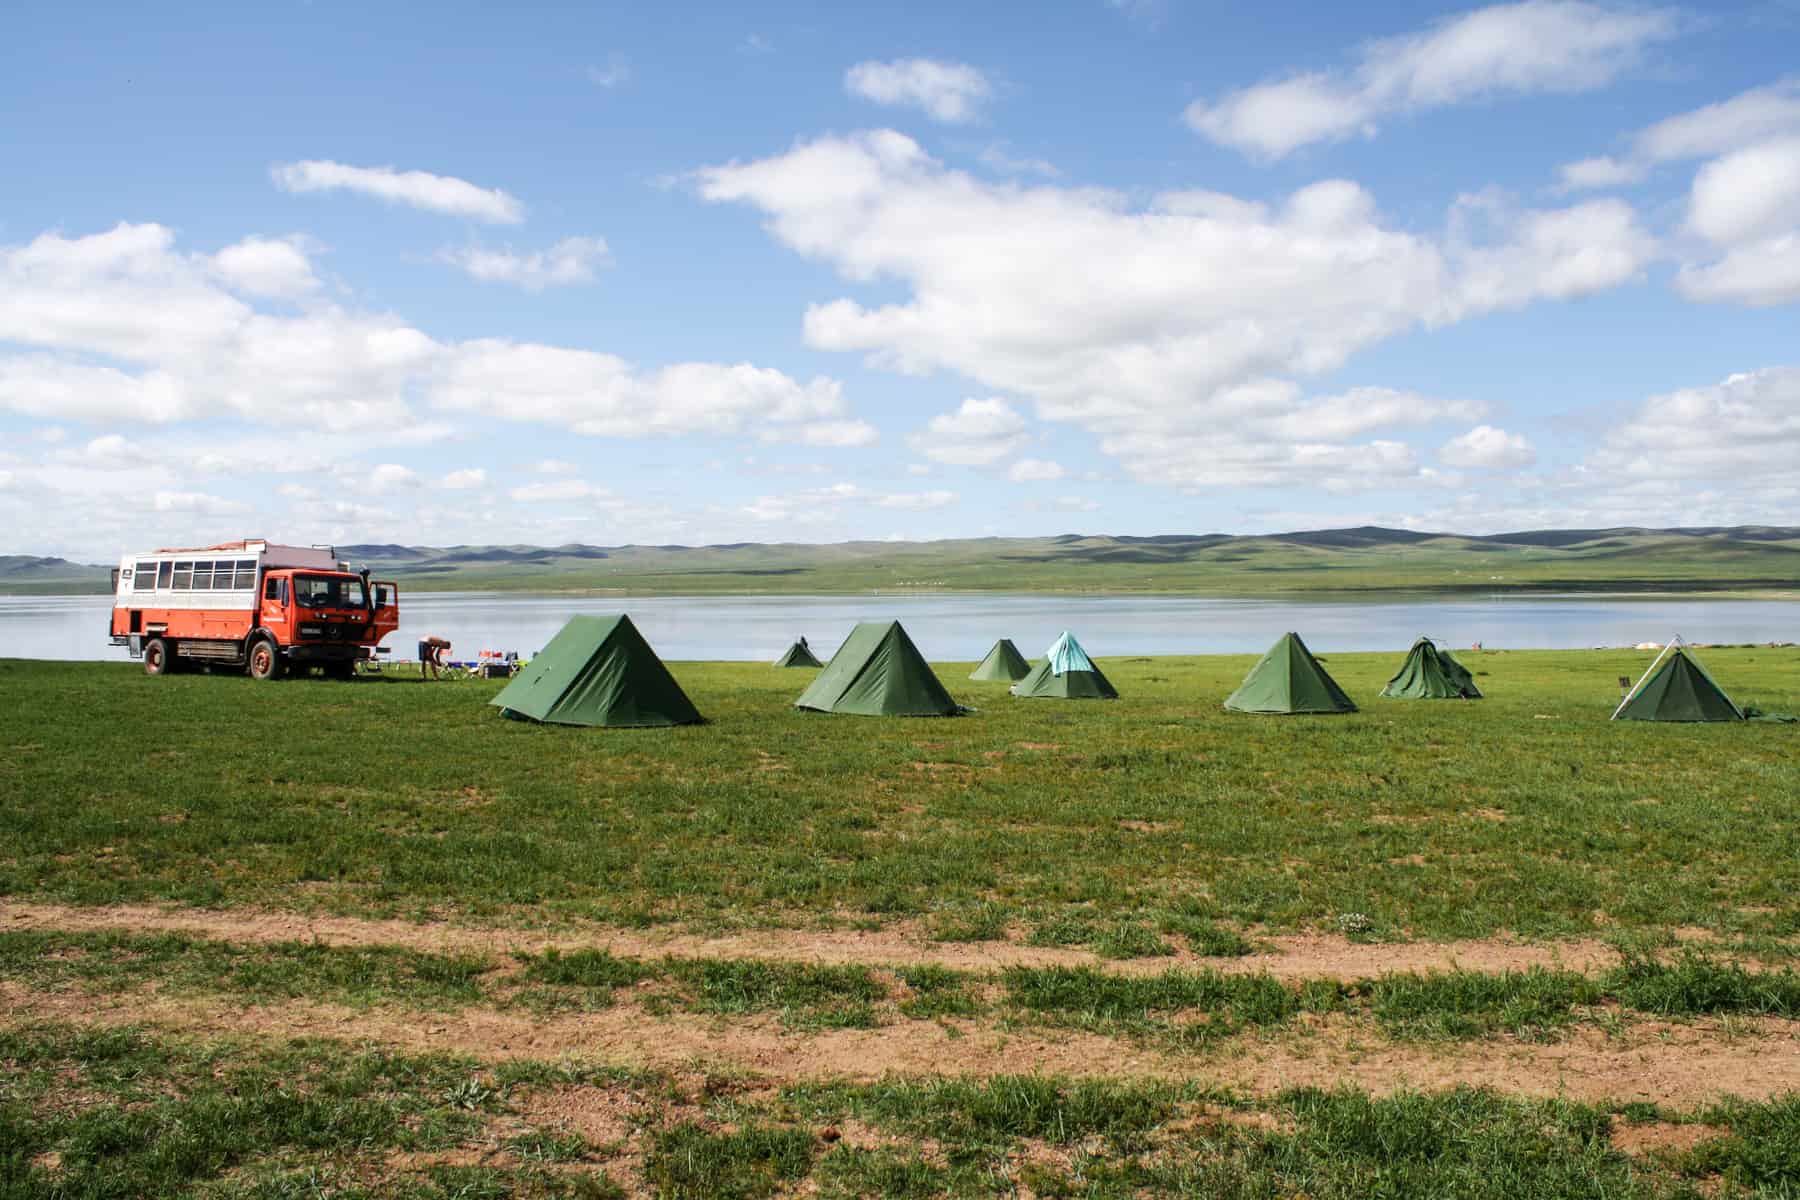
{"x": 977, "y": 433}
{"x": 1035, "y": 470}
{"x": 1490, "y": 447}
{"x": 273, "y": 267}
{"x": 1745, "y": 429}
{"x": 416, "y": 189}
{"x": 1174, "y": 331}
{"x": 1746, "y": 204}
{"x": 950, "y": 92}
{"x": 197, "y": 502}
{"x": 468, "y": 477}
{"x": 1749, "y": 117}
{"x": 392, "y": 477}
{"x": 121, "y": 326}
{"x": 604, "y": 395}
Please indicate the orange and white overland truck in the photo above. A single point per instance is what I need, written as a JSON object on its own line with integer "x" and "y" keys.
{"x": 250, "y": 604}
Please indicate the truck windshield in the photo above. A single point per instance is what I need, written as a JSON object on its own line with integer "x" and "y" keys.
{"x": 320, "y": 591}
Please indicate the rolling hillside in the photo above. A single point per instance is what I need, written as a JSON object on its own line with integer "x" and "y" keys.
{"x": 1364, "y": 559}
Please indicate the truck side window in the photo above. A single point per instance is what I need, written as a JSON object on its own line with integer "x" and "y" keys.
{"x": 275, "y": 589}
{"x": 163, "y": 573}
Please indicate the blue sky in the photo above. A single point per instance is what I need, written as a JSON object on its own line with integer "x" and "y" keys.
{"x": 698, "y": 273}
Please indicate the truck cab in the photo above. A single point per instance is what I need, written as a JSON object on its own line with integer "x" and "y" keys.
{"x": 324, "y": 617}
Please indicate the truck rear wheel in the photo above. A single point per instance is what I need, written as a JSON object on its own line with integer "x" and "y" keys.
{"x": 265, "y": 660}
{"x": 158, "y": 657}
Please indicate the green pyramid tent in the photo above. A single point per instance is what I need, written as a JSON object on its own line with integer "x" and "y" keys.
{"x": 597, "y": 671}
{"x": 1288, "y": 679}
{"x": 1066, "y": 673}
{"x": 1003, "y": 664}
{"x": 1431, "y": 674}
{"x": 1677, "y": 688}
{"x": 799, "y": 655}
{"x": 878, "y": 672}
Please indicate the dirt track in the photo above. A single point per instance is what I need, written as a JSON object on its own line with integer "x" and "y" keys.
{"x": 1295, "y": 957}
{"x": 1677, "y": 1064}
{"x": 1682, "y": 1065}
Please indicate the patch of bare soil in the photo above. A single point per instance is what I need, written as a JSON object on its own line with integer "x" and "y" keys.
{"x": 1682, "y": 1065}
{"x": 1661, "y": 1137}
{"x": 1298, "y": 956}
{"x": 601, "y": 1115}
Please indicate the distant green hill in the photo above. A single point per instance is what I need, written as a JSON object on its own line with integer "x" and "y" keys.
{"x": 1366, "y": 559}
{"x": 25, "y": 574}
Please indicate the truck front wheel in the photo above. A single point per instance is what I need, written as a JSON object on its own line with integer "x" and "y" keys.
{"x": 158, "y": 658}
{"x": 265, "y": 660}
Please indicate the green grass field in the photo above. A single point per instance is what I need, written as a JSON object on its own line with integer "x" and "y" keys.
{"x": 1157, "y": 816}
{"x": 1153, "y": 842}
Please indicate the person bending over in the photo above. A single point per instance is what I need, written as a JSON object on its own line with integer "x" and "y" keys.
{"x": 431, "y": 655}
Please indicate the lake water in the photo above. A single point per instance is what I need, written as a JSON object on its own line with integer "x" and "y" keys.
{"x": 961, "y": 626}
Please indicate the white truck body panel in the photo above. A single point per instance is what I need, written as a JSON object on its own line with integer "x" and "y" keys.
{"x": 174, "y": 578}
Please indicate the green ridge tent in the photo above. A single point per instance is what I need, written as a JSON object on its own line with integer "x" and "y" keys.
{"x": 878, "y": 672}
{"x": 1066, "y": 673}
{"x": 799, "y": 655}
{"x": 1288, "y": 679}
{"x": 597, "y": 671}
{"x": 1677, "y": 688}
{"x": 1431, "y": 674}
{"x": 1003, "y": 664}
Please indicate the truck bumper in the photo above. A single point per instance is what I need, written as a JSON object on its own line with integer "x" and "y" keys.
{"x": 323, "y": 652}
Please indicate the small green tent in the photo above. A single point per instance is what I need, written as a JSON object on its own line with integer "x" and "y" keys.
{"x": 1066, "y": 673}
{"x": 799, "y": 655}
{"x": 1677, "y": 688}
{"x": 878, "y": 672}
{"x": 1288, "y": 679}
{"x": 1431, "y": 674}
{"x": 597, "y": 671}
{"x": 1003, "y": 664}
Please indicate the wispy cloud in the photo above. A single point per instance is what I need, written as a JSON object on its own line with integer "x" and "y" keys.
{"x": 999, "y": 158}
{"x": 570, "y": 261}
{"x": 950, "y": 92}
{"x": 416, "y": 189}
{"x": 1532, "y": 46}
{"x": 614, "y": 72}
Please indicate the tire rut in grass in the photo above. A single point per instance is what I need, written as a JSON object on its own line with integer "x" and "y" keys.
{"x": 1653, "y": 1062}
{"x": 1305, "y": 956}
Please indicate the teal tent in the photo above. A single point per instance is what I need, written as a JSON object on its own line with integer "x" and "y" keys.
{"x": 878, "y": 672}
{"x": 1066, "y": 673}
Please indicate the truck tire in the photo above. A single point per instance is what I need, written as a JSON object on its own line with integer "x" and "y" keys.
{"x": 343, "y": 671}
{"x": 159, "y": 657}
{"x": 264, "y": 660}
